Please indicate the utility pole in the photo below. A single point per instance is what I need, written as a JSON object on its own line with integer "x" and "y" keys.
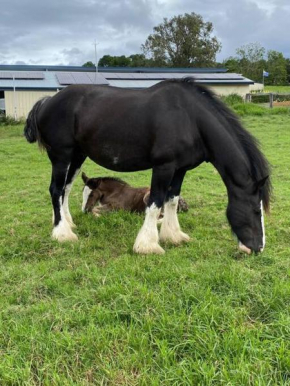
{"x": 96, "y": 61}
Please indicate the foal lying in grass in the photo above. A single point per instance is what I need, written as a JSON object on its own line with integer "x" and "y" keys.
{"x": 103, "y": 194}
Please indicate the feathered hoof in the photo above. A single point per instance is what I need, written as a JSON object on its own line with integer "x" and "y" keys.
{"x": 62, "y": 233}
{"x": 175, "y": 238}
{"x": 145, "y": 249}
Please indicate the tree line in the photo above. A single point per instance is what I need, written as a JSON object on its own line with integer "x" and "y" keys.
{"x": 188, "y": 41}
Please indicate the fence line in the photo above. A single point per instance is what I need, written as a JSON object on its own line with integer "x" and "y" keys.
{"x": 273, "y": 98}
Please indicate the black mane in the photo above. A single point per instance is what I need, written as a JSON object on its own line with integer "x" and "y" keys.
{"x": 260, "y": 168}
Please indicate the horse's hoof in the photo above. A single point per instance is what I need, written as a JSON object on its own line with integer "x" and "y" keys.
{"x": 148, "y": 249}
{"x": 62, "y": 232}
{"x": 174, "y": 238}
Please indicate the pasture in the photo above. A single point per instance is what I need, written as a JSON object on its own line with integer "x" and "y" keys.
{"x": 95, "y": 313}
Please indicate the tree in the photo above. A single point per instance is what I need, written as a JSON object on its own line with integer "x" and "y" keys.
{"x": 288, "y": 69}
{"x": 114, "y": 61}
{"x": 88, "y": 64}
{"x": 276, "y": 66}
{"x": 232, "y": 64}
{"x": 139, "y": 60}
{"x": 251, "y": 61}
{"x": 183, "y": 41}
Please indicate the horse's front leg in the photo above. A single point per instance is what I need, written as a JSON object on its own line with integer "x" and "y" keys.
{"x": 170, "y": 229}
{"x": 147, "y": 240}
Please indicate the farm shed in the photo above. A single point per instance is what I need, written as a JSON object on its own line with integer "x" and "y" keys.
{"x": 22, "y": 85}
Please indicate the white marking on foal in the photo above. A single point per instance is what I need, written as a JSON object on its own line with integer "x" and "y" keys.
{"x": 147, "y": 239}
{"x": 86, "y": 192}
{"x": 263, "y": 227}
{"x": 63, "y": 232}
{"x": 170, "y": 228}
{"x": 115, "y": 160}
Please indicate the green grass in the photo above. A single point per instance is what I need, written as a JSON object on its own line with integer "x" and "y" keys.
{"x": 281, "y": 89}
{"x": 252, "y": 109}
{"x": 94, "y": 313}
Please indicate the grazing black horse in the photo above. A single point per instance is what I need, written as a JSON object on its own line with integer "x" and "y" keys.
{"x": 171, "y": 127}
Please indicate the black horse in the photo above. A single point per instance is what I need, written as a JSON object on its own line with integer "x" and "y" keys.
{"x": 171, "y": 127}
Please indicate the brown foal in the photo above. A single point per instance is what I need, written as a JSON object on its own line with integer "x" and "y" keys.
{"x": 110, "y": 193}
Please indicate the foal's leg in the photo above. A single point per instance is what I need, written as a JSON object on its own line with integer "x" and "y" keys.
{"x": 147, "y": 239}
{"x": 75, "y": 166}
{"x": 170, "y": 229}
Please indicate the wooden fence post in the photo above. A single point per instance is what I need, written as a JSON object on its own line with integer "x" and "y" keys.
{"x": 271, "y": 100}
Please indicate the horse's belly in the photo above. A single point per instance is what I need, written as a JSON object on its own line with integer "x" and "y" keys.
{"x": 121, "y": 163}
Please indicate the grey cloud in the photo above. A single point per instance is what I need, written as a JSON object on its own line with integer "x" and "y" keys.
{"x": 63, "y": 32}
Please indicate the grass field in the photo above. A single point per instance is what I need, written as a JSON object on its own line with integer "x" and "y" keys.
{"x": 94, "y": 313}
{"x": 285, "y": 89}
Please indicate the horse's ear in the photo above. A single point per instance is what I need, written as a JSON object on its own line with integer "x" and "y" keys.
{"x": 262, "y": 182}
{"x": 85, "y": 178}
{"x": 146, "y": 198}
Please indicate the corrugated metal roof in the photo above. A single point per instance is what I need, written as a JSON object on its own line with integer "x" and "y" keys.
{"x": 66, "y": 78}
{"x": 55, "y": 80}
{"x": 48, "y": 82}
{"x": 26, "y": 67}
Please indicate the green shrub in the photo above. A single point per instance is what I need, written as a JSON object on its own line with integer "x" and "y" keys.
{"x": 249, "y": 109}
{"x": 232, "y": 99}
{"x": 9, "y": 121}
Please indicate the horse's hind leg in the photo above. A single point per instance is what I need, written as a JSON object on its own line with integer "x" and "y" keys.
{"x": 60, "y": 168}
{"x": 147, "y": 239}
{"x": 170, "y": 229}
{"x": 75, "y": 166}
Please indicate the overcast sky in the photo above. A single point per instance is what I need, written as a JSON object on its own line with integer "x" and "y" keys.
{"x": 64, "y": 31}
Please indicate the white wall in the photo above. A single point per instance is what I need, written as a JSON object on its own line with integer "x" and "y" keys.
{"x": 225, "y": 90}
{"x": 257, "y": 87}
{"x": 19, "y": 105}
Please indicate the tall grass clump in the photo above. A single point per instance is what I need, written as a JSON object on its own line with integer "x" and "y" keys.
{"x": 10, "y": 121}
{"x": 232, "y": 99}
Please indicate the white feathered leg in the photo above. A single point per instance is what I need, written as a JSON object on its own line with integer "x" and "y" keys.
{"x": 170, "y": 229}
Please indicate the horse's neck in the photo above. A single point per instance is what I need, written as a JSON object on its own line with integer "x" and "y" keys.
{"x": 229, "y": 158}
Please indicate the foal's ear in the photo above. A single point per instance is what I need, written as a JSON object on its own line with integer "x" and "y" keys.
{"x": 262, "y": 182}
{"x": 85, "y": 178}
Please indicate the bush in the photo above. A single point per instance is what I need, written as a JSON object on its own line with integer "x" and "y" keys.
{"x": 232, "y": 99}
{"x": 9, "y": 121}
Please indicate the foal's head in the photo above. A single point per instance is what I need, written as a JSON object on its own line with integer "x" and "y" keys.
{"x": 89, "y": 192}
{"x": 245, "y": 215}
{"x": 96, "y": 188}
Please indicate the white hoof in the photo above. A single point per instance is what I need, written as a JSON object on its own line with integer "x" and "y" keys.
{"x": 170, "y": 236}
{"x": 62, "y": 232}
{"x": 71, "y": 223}
{"x": 145, "y": 249}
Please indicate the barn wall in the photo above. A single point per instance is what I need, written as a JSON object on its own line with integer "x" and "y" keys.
{"x": 241, "y": 90}
{"x": 23, "y": 101}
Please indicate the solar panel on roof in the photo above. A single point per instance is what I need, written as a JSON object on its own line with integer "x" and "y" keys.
{"x": 25, "y": 75}
{"x": 6, "y": 75}
{"x": 97, "y": 78}
{"x": 65, "y": 78}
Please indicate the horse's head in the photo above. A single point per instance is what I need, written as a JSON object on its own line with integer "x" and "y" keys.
{"x": 246, "y": 217}
{"x": 89, "y": 192}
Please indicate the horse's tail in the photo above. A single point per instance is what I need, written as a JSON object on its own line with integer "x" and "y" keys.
{"x": 31, "y": 130}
